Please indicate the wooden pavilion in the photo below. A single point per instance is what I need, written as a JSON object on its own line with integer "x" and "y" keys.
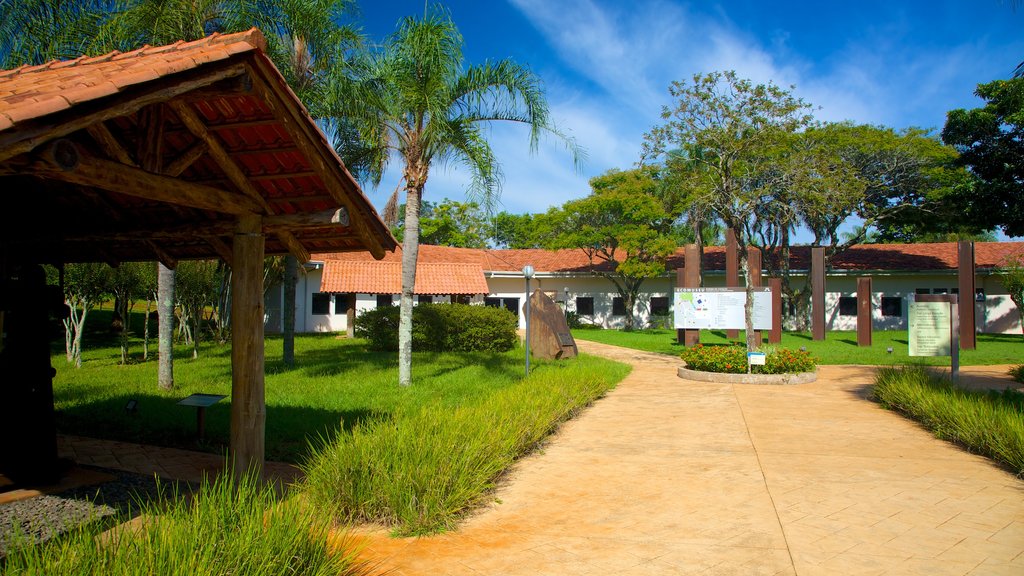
{"x": 193, "y": 150}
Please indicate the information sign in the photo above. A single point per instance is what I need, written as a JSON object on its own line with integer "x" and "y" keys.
{"x": 720, "y": 308}
{"x": 929, "y": 329}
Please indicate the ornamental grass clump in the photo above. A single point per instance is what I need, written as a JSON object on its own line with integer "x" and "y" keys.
{"x": 421, "y": 470}
{"x": 732, "y": 359}
{"x": 986, "y": 422}
{"x": 1017, "y": 373}
{"x": 229, "y": 527}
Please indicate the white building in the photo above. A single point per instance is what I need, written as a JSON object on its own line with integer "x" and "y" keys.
{"x": 336, "y": 287}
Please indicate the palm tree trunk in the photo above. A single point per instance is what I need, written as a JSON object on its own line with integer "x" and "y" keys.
{"x": 410, "y": 253}
{"x": 165, "y": 326}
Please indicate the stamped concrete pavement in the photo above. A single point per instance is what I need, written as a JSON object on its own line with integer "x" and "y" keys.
{"x": 667, "y": 476}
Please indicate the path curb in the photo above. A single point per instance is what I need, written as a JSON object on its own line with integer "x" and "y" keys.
{"x": 768, "y": 379}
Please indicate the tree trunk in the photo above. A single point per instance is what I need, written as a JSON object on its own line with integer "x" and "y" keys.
{"x": 291, "y": 278}
{"x": 748, "y": 305}
{"x": 145, "y": 330}
{"x": 410, "y": 253}
{"x": 165, "y": 326}
{"x": 78, "y": 336}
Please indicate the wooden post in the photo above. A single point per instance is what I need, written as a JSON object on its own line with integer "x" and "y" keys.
{"x": 754, "y": 262}
{"x": 775, "y": 336}
{"x": 965, "y": 273}
{"x": 691, "y": 279}
{"x": 248, "y": 411}
{"x": 732, "y": 270}
{"x": 817, "y": 293}
{"x": 864, "y": 311}
{"x": 680, "y": 283}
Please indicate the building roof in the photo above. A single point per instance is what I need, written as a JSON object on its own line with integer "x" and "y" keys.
{"x": 155, "y": 153}
{"x": 368, "y": 277}
{"x": 881, "y": 257}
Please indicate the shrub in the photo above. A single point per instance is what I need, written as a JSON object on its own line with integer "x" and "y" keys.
{"x": 1017, "y": 373}
{"x": 227, "y": 528}
{"x": 733, "y": 360}
{"x": 442, "y": 328}
{"x": 988, "y": 422}
{"x": 420, "y": 471}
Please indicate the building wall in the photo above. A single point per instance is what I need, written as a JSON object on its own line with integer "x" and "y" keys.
{"x": 996, "y": 314}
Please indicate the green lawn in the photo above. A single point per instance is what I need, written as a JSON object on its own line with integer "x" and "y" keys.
{"x": 838, "y": 347}
{"x": 336, "y": 381}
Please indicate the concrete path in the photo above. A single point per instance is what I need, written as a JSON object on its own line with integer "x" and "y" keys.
{"x": 666, "y": 476}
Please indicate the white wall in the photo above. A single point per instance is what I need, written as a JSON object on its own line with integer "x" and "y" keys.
{"x": 997, "y": 314}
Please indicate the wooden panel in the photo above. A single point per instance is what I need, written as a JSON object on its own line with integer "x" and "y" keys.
{"x": 965, "y": 273}
{"x": 817, "y": 293}
{"x": 864, "y": 311}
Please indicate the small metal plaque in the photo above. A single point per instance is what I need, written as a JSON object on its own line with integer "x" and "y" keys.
{"x": 565, "y": 339}
{"x": 202, "y": 400}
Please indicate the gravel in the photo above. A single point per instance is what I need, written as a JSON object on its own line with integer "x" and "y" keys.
{"x": 43, "y": 517}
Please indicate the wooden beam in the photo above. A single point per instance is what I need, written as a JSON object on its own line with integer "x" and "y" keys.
{"x": 186, "y": 159}
{"x": 169, "y": 262}
{"x": 248, "y": 409}
{"x": 216, "y": 151}
{"x": 237, "y": 86}
{"x": 295, "y": 248}
{"x": 221, "y": 247}
{"x": 304, "y": 136}
{"x": 114, "y": 177}
{"x": 151, "y": 139}
{"x": 109, "y": 143}
{"x": 37, "y": 132}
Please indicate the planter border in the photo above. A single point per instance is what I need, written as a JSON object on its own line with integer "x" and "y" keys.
{"x": 769, "y": 379}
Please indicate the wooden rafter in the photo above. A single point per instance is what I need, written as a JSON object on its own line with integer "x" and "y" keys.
{"x": 107, "y": 175}
{"x": 186, "y": 159}
{"x": 109, "y": 143}
{"x": 162, "y": 255}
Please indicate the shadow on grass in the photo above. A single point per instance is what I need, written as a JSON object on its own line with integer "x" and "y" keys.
{"x": 159, "y": 420}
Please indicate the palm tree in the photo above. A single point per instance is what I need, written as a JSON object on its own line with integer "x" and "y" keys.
{"x": 418, "y": 104}
{"x": 38, "y": 31}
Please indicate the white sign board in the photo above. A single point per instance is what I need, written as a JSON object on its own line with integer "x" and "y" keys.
{"x": 720, "y": 308}
{"x": 929, "y": 328}
{"x": 756, "y": 358}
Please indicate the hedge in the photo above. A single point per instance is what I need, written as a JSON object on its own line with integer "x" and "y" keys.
{"x": 442, "y": 328}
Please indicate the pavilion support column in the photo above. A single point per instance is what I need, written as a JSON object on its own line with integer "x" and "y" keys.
{"x": 965, "y": 274}
{"x": 248, "y": 411}
{"x": 732, "y": 271}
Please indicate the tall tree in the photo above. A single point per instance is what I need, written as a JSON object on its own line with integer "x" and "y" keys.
{"x": 1011, "y": 274}
{"x": 417, "y": 103}
{"x": 37, "y": 31}
{"x": 85, "y": 285}
{"x": 737, "y": 126}
{"x": 624, "y": 223}
{"x": 126, "y": 285}
{"x": 991, "y": 144}
{"x": 517, "y": 230}
{"x": 165, "y": 327}
{"x": 449, "y": 223}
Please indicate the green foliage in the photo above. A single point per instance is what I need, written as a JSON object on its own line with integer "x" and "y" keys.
{"x": 229, "y": 527}
{"x": 442, "y": 328}
{"x": 990, "y": 423}
{"x": 991, "y": 144}
{"x": 733, "y": 360}
{"x": 450, "y": 223}
{"x": 518, "y": 231}
{"x": 424, "y": 470}
{"x": 1017, "y": 373}
{"x": 1011, "y": 274}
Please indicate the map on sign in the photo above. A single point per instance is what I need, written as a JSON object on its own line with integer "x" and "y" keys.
{"x": 720, "y": 308}
{"x": 929, "y": 329}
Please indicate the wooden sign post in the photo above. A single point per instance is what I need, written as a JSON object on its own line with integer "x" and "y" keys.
{"x": 864, "y": 311}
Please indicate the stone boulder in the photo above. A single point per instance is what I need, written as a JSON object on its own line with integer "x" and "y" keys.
{"x": 549, "y": 334}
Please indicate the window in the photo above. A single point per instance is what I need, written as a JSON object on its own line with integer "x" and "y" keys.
{"x": 424, "y": 299}
{"x": 511, "y": 304}
{"x": 584, "y": 305}
{"x": 618, "y": 306}
{"x": 341, "y": 303}
{"x": 922, "y": 291}
{"x": 321, "y": 303}
{"x": 461, "y": 299}
{"x": 659, "y": 306}
{"x": 940, "y": 291}
{"x": 847, "y": 305}
{"x": 954, "y": 290}
{"x": 892, "y": 306}
{"x": 384, "y": 300}
{"x": 492, "y": 302}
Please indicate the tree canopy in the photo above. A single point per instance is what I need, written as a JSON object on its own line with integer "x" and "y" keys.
{"x": 991, "y": 144}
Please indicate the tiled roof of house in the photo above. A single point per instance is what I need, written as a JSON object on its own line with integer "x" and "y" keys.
{"x": 161, "y": 148}
{"x": 372, "y": 277}
{"x": 887, "y": 257}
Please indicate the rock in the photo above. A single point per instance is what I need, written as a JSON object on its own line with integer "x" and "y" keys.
{"x": 549, "y": 334}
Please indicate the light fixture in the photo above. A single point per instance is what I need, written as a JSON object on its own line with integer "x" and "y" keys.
{"x": 803, "y": 348}
{"x": 889, "y": 349}
{"x": 527, "y": 273}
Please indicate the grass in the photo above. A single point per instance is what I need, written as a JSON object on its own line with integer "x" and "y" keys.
{"x": 837, "y": 348}
{"x": 989, "y": 423}
{"x": 422, "y": 472}
{"x": 230, "y": 528}
{"x": 416, "y": 458}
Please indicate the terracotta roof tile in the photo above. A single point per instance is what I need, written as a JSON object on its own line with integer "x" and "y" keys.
{"x": 893, "y": 257}
{"x": 89, "y": 78}
{"x": 385, "y": 277}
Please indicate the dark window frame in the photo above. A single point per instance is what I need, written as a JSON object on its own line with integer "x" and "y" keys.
{"x": 585, "y": 305}
{"x": 618, "y": 306}
{"x": 659, "y": 305}
{"x": 847, "y": 305}
{"x": 321, "y": 301}
{"x": 889, "y": 303}
{"x": 390, "y": 300}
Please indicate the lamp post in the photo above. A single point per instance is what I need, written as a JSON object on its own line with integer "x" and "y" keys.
{"x": 528, "y": 273}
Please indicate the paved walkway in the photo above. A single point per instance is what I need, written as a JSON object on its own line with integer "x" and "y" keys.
{"x": 666, "y": 476}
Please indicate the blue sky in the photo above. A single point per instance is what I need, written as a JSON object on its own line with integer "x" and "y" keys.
{"x": 606, "y": 66}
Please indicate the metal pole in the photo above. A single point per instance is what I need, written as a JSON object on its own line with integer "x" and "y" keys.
{"x": 527, "y": 325}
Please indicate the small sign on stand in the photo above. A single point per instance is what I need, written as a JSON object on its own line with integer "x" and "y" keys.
{"x": 755, "y": 359}
{"x": 934, "y": 328}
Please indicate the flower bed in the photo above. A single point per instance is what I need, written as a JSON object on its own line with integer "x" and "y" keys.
{"x": 728, "y": 364}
